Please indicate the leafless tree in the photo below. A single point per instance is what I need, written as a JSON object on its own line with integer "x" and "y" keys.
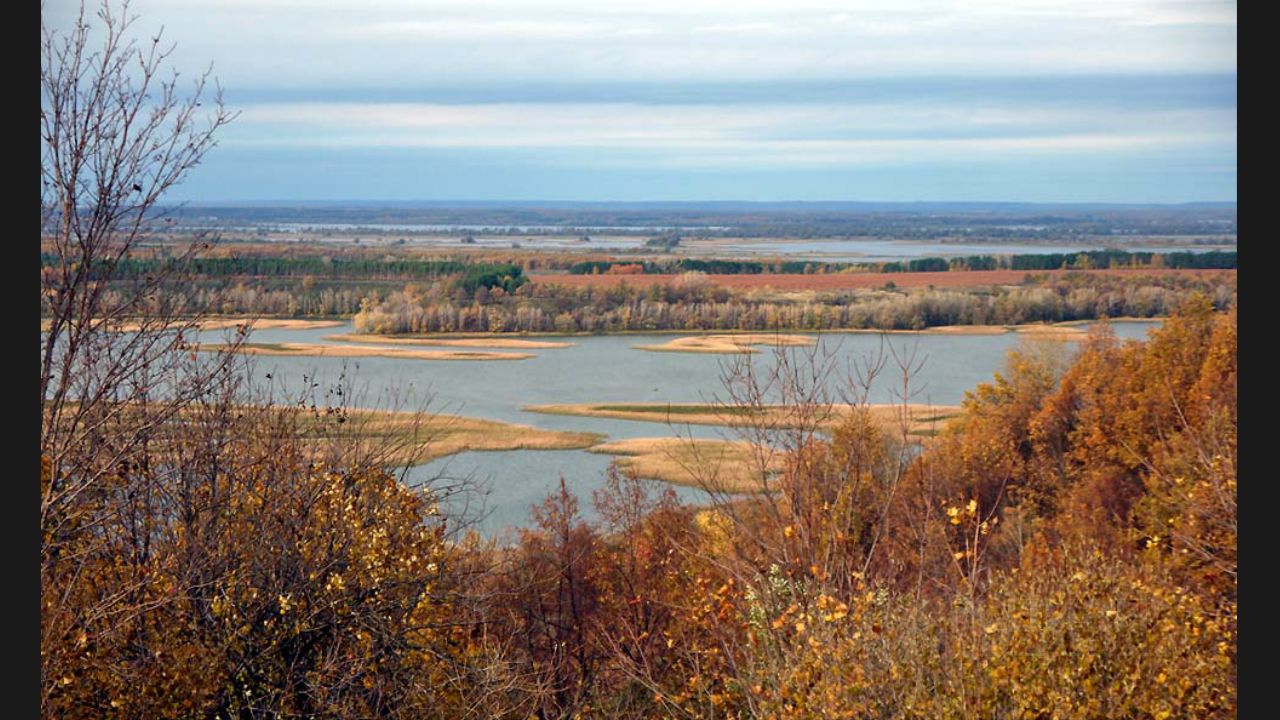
{"x": 116, "y": 133}
{"x": 807, "y": 515}
{"x": 118, "y": 130}
{"x": 827, "y": 461}
{"x": 175, "y": 493}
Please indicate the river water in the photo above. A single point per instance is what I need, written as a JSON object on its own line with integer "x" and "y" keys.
{"x": 603, "y": 369}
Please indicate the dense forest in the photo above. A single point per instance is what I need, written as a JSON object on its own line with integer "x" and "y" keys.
{"x": 1087, "y": 260}
{"x": 694, "y": 304}
{"x": 460, "y": 288}
{"x": 371, "y": 266}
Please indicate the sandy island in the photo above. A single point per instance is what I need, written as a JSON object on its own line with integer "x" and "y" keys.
{"x": 710, "y": 464}
{"x": 923, "y": 419}
{"x": 271, "y": 323}
{"x": 741, "y": 343}
{"x": 398, "y": 437}
{"x": 422, "y": 438}
{"x": 483, "y": 342}
{"x": 317, "y": 350}
{"x": 1066, "y": 329}
{"x": 726, "y": 343}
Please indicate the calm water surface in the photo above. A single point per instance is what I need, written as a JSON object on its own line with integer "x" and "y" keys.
{"x": 601, "y": 369}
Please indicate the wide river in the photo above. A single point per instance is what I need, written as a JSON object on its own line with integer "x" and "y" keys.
{"x": 600, "y": 369}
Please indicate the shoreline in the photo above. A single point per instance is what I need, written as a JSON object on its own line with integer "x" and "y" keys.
{"x": 418, "y": 338}
{"x": 321, "y": 350}
{"x": 496, "y": 341}
{"x": 933, "y": 330}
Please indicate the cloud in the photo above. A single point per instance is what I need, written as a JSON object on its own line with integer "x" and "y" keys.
{"x": 668, "y": 87}
{"x": 710, "y": 135}
{"x": 290, "y": 43}
{"x": 473, "y": 30}
{"x": 748, "y": 28}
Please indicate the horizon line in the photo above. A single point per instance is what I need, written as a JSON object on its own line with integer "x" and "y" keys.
{"x": 551, "y": 201}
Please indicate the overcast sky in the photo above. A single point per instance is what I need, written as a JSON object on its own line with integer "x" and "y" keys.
{"x": 1078, "y": 101}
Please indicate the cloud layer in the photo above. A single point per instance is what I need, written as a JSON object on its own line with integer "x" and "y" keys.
{"x": 895, "y": 98}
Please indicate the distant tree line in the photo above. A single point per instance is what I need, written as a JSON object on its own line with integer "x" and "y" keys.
{"x": 391, "y": 268}
{"x": 321, "y": 286}
{"x": 267, "y": 266}
{"x": 1211, "y": 260}
{"x": 693, "y": 305}
{"x": 507, "y": 276}
{"x": 1090, "y": 259}
{"x": 714, "y": 267}
{"x": 285, "y": 287}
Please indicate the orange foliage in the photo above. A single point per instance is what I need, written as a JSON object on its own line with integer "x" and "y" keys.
{"x": 1066, "y": 548}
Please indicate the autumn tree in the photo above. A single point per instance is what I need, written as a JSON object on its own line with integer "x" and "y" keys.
{"x": 204, "y": 552}
{"x": 117, "y": 133}
{"x": 553, "y": 606}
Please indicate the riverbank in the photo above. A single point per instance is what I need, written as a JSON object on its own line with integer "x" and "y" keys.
{"x": 320, "y": 350}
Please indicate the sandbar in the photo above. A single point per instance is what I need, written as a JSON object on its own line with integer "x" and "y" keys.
{"x": 318, "y": 350}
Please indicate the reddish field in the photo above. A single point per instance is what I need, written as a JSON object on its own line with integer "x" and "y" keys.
{"x": 974, "y": 278}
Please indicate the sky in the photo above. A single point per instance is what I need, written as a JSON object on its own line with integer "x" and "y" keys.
{"x": 629, "y": 100}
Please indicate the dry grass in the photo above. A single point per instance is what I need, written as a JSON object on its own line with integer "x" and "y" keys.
{"x": 421, "y": 438}
{"x": 727, "y": 343}
{"x": 923, "y": 419}
{"x": 317, "y": 350}
{"x": 714, "y": 464}
{"x": 484, "y": 342}
{"x": 405, "y": 437}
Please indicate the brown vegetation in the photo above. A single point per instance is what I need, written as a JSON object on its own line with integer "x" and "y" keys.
{"x": 211, "y": 323}
{"x": 725, "y": 466}
{"x": 418, "y": 437}
{"x": 1065, "y": 548}
{"x": 863, "y": 280}
{"x": 922, "y": 418}
{"x": 695, "y": 304}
